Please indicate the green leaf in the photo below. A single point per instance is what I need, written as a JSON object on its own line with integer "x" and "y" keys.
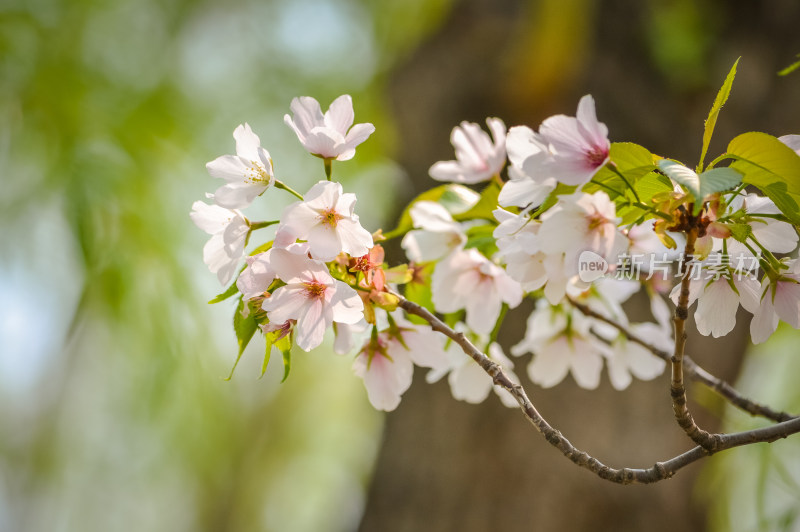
{"x": 262, "y": 248}
{"x": 481, "y": 237}
{"x": 718, "y": 179}
{"x": 420, "y": 292}
{"x": 711, "y": 121}
{"x": 232, "y": 289}
{"x": 682, "y": 175}
{"x": 287, "y": 362}
{"x": 791, "y": 68}
{"x": 772, "y": 166}
{"x": 740, "y": 231}
{"x": 633, "y": 161}
{"x": 245, "y": 328}
{"x": 455, "y": 198}
{"x": 652, "y": 184}
{"x": 485, "y": 207}
{"x": 700, "y": 186}
{"x": 560, "y": 190}
{"x": 267, "y": 351}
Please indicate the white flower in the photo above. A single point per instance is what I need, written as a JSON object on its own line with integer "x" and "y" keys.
{"x": 228, "y": 230}
{"x": 478, "y": 158}
{"x": 775, "y": 235}
{"x": 327, "y": 135}
{"x": 518, "y": 247}
{"x": 311, "y": 296}
{"x": 793, "y": 141}
{"x": 579, "y": 144}
{"x": 256, "y": 277}
{"x": 438, "y": 235}
{"x": 780, "y": 300}
{"x": 717, "y": 301}
{"x": 579, "y": 223}
{"x": 528, "y": 184}
{"x": 468, "y": 381}
{"x": 326, "y": 219}
{"x": 386, "y": 362}
{"x": 561, "y": 346}
{"x": 347, "y": 336}
{"x": 248, "y": 173}
{"x": 629, "y": 358}
{"x": 465, "y": 279}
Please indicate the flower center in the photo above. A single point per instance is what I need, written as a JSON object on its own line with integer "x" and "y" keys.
{"x": 596, "y": 220}
{"x": 256, "y": 173}
{"x": 597, "y": 156}
{"x": 314, "y": 289}
{"x": 330, "y": 218}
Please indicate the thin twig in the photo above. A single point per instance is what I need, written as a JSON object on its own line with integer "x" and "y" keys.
{"x": 660, "y": 471}
{"x": 694, "y": 371}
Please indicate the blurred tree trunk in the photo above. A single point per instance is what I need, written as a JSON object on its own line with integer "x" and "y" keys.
{"x": 446, "y": 465}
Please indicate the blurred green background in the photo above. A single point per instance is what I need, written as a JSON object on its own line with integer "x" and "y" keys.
{"x": 113, "y": 411}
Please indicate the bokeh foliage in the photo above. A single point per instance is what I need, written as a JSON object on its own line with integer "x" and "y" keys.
{"x": 113, "y": 411}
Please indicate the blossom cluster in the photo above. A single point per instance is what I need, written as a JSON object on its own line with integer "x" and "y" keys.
{"x": 540, "y": 202}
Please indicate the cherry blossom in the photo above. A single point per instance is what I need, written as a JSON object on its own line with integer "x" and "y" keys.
{"x": 228, "y": 229}
{"x": 311, "y": 296}
{"x": 386, "y": 362}
{"x": 519, "y": 249}
{"x": 468, "y": 381}
{"x": 438, "y": 233}
{"x": 529, "y": 184}
{"x": 775, "y": 235}
{"x": 793, "y": 141}
{"x": 780, "y": 301}
{"x": 465, "y": 279}
{"x": 579, "y": 145}
{"x": 257, "y": 276}
{"x": 628, "y": 359}
{"x": 718, "y": 299}
{"x": 248, "y": 173}
{"x": 562, "y": 343}
{"x": 478, "y": 157}
{"x": 327, "y": 135}
{"x": 582, "y": 222}
{"x": 326, "y": 219}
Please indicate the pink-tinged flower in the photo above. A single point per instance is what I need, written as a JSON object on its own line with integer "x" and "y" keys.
{"x": 228, "y": 230}
{"x": 780, "y": 300}
{"x": 248, "y": 173}
{"x": 386, "y": 362}
{"x": 628, "y": 359}
{"x": 775, "y": 235}
{"x": 437, "y": 234}
{"x": 582, "y": 222}
{"x": 255, "y": 279}
{"x": 561, "y": 346}
{"x": 519, "y": 249}
{"x": 793, "y": 141}
{"x": 327, "y": 135}
{"x": 465, "y": 279}
{"x": 326, "y": 219}
{"x": 478, "y": 157}
{"x": 347, "y": 336}
{"x": 311, "y": 296}
{"x": 468, "y": 381}
{"x": 579, "y": 145}
{"x": 719, "y": 299}
{"x": 529, "y": 184}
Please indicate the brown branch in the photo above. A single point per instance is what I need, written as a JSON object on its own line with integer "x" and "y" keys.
{"x": 677, "y": 387}
{"x": 693, "y": 371}
{"x": 660, "y": 471}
